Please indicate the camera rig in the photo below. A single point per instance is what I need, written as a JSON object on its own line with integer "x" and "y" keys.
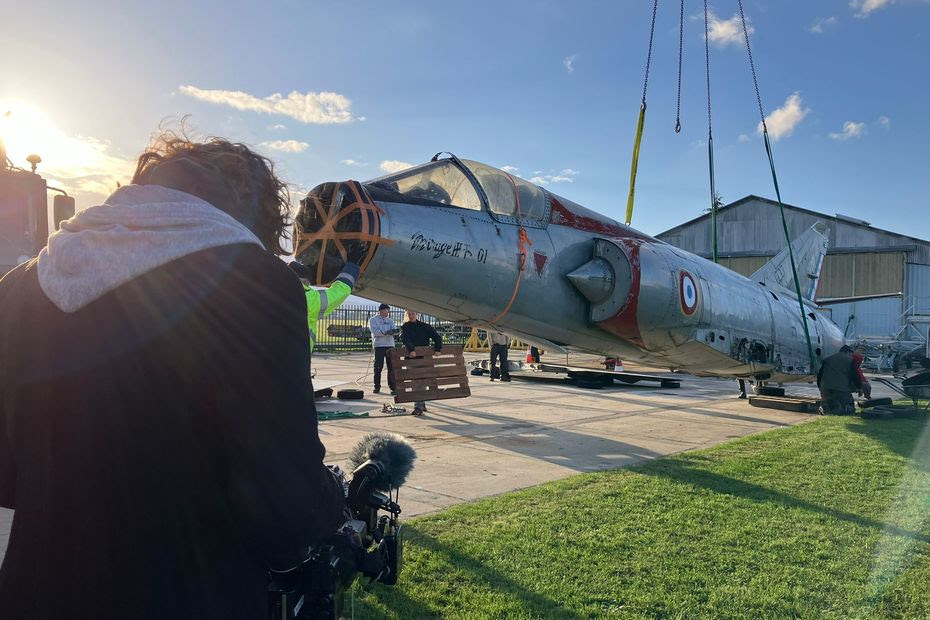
{"x": 370, "y": 541}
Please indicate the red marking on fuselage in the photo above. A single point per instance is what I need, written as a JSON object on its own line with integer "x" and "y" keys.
{"x": 562, "y": 215}
{"x": 540, "y": 260}
{"x": 624, "y": 323}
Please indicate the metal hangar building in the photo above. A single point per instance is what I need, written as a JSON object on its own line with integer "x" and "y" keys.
{"x": 861, "y": 260}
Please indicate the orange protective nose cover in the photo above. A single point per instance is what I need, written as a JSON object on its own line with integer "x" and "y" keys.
{"x": 335, "y": 221}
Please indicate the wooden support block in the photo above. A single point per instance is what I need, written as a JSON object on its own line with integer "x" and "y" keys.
{"x": 431, "y": 375}
{"x": 786, "y": 403}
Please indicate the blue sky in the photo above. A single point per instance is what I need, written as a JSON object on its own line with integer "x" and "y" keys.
{"x": 550, "y": 88}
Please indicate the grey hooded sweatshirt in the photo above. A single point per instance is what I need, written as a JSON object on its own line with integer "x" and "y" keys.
{"x": 158, "y": 439}
{"x": 138, "y": 228}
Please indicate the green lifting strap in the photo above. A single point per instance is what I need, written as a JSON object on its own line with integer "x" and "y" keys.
{"x": 713, "y": 191}
{"x": 781, "y": 208}
{"x": 794, "y": 269}
{"x": 710, "y": 139}
{"x": 324, "y": 416}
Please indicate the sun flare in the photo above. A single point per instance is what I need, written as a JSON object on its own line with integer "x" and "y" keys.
{"x": 81, "y": 164}
{"x": 24, "y": 130}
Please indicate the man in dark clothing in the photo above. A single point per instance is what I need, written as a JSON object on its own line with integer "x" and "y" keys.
{"x": 837, "y": 380}
{"x": 500, "y": 347}
{"x": 158, "y": 440}
{"x": 416, "y": 333}
{"x": 534, "y": 354}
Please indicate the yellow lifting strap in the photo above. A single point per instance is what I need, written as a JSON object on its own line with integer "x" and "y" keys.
{"x": 642, "y": 118}
{"x": 636, "y": 142}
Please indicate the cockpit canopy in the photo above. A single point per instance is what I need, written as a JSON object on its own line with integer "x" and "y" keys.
{"x": 445, "y": 182}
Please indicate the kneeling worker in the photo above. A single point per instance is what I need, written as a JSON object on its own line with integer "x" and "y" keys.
{"x": 837, "y": 380}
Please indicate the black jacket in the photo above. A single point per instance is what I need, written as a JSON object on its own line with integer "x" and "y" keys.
{"x": 160, "y": 444}
{"x": 838, "y": 372}
{"x": 418, "y": 334}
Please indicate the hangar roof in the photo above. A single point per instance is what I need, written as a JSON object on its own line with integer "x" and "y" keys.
{"x": 836, "y": 218}
{"x": 753, "y": 235}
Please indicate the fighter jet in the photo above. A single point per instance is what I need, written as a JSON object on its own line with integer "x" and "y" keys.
{"x": 470, "y": 243}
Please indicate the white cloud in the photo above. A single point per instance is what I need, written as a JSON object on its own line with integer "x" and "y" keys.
{"x": 510, "y": 169}
{"x": 782, "y": 121}
{"x": 351, "y": 162}
{"x": 723, "y": 32}
{"x": 850, "y": 130}
{"x": 821, "y": 24}
{"x": 884, "y": 121}
{"x": 743, "y": 138}
{"x": 392, "y": 165}
{"x": 318, "y": 108}
{"x": 288, "y": 146}
{"x": 566, "y": 175}
{"x": 569, "y": 63}
{"x": 864, "y": 7}
{"x": 278, "y": 126}
{"x": 93, "y": 179}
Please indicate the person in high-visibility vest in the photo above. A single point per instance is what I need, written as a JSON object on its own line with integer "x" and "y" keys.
{"x": 321, "y": 303}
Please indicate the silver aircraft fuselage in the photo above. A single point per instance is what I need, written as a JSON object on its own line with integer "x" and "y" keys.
{"x": 587, "y": 282}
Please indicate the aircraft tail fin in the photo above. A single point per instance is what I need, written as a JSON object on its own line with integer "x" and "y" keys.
{"x": 809, "y": 251}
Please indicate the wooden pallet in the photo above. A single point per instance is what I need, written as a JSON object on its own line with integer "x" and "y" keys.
{"x": 430, "y": 375}
{"x": 786, "y": 403}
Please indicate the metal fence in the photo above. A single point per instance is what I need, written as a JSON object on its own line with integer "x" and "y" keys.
{"x": 346, "y": 329}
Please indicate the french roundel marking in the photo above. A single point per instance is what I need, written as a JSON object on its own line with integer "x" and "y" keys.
{"x": 688, "y": 293}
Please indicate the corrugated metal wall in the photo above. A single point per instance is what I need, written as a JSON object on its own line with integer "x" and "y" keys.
{"x": 918, "y": 288}
{"x": 862, "y": 274}
{"x": 844, "y": 275}
{"x": 873, "y": 318}
{"x": 744, "y": 265}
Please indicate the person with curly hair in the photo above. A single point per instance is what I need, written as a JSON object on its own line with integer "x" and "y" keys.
{"x": 158, "y": 438}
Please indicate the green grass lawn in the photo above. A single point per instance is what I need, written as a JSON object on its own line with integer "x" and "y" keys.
{"x": 824, "y": 520}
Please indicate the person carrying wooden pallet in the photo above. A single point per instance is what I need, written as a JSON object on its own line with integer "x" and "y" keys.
{"x": 415, "y": 333}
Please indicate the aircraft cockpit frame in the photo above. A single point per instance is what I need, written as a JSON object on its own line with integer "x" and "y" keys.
{"x": 466, "y": 184}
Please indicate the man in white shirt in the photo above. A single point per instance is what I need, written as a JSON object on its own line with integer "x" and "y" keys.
{"x": 383, "y": 329}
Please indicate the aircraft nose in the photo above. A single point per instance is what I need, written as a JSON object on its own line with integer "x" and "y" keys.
{"x": 335, "y": 222}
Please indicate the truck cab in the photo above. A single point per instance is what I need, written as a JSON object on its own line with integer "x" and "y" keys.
{"x": 24, "y": 216}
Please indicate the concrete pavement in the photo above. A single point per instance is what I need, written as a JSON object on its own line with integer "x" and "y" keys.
{"x": 508, "y": 436}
